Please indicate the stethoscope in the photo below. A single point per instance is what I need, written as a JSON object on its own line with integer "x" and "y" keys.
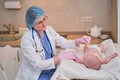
{"x": 35, "y": 42}
{"x": 39, "y": 37}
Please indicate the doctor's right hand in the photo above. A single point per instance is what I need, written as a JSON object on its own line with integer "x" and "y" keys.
{"x": 67, "y": 55}
{"x": 83, "y": 40}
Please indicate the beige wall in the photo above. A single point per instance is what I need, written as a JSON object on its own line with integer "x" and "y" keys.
{"x": 64, "y": 15}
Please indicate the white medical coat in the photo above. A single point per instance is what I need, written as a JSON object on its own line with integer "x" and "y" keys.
{"x": 34, "y": 62}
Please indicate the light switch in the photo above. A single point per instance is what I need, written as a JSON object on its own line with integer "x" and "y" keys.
{"x": 87, "y": 19}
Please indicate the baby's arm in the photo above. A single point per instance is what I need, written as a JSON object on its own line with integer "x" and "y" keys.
{"x": 107, "y": 59}
{"x": 86, "y": 48}
{"x": 79, "y": 60}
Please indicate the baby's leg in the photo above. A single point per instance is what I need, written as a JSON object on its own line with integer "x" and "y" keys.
{"x": 106, "y": 60}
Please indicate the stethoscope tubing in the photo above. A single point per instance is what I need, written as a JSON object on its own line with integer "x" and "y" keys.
{"x": 36, "y": 44}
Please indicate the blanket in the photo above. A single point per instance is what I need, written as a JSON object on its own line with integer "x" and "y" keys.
{"x": 68, "y": 69}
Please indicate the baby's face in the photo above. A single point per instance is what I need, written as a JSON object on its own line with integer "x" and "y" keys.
{"x": 92, "y": 62}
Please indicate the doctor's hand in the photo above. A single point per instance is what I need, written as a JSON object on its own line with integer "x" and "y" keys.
{"x": 67, "y": 55}
{"x": 83, "y": 40}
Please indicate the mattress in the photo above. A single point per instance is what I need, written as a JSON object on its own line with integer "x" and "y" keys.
{"x": 68, "y": 69}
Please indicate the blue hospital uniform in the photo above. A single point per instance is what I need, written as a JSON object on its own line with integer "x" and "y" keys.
{"x": 46, "y": 74}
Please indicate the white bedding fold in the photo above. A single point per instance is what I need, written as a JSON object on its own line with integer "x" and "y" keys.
{"x": 69, "y": 69}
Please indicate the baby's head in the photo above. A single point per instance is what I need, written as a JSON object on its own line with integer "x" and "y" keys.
{"x": 92, "y": 62}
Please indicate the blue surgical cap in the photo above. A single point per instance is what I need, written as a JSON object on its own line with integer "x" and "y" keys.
{"x": 32, "y": 15}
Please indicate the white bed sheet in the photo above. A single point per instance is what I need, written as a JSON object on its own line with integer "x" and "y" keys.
{"x": 68, "y": 69}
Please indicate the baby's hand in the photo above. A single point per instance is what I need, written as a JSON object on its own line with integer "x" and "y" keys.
{"x": 79, "y": 60}
{"x": 115, "y": 54}
{"x": 88, "y": 44}
{"x": 86, "y": 47}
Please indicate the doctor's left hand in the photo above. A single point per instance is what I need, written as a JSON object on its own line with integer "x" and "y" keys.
{"x": 83, "y": 40}
{"x": 67, "y": 55}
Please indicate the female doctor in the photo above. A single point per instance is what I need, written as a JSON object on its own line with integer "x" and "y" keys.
{"x": 39, "y": 59}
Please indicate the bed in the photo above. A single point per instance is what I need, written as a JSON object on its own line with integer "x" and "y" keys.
{"x": 68, "y": 69}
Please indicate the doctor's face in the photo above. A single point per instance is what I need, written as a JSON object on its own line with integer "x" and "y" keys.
{"x": 41, "y": 23}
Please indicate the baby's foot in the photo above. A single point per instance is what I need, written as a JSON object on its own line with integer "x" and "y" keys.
{"x": 115, "y": 54}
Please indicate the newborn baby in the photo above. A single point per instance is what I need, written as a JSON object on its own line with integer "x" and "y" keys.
{"x": 92, "y": 57}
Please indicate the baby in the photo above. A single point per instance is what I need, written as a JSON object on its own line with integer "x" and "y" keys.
{"x": 92, "y": 56}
